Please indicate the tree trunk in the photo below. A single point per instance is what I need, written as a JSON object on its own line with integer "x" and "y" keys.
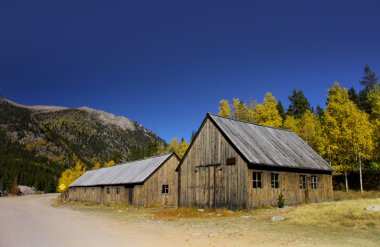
{"x": 360, "y": 176}
{"x": 346, "y": 181}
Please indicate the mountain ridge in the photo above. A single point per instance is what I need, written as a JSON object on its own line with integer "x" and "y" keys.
{"x": 56, "y": 138}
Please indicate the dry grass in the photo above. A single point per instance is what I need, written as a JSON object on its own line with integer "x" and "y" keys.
{"x": 177, "y": 213}
{"x": 335, "y": 215}
{"x": 342, "y": 195}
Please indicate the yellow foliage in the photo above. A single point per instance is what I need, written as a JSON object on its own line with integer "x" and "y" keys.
{"x": 173, "y": 146}
{"x": 267, "y": 113}
{"x": 68, "y": 176}
{"x": 97, "y": 166}
{"x": 224, "y": 108}
{"x": 347, "y": 130}
{"x": 109, "y": 163}
{"x": 291, "y": 124}
{"x": 240, "y": 110}
{"x": 182, "y": 148}
{"x": 179, "y": 149}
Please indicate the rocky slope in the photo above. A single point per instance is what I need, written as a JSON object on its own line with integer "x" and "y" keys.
{"x": 54, "y": 138}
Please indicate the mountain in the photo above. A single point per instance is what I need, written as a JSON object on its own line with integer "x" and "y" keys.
{"x": 38, "y": 142}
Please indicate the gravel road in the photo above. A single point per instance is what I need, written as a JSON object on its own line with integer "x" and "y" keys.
{"x": 31, "y": 221}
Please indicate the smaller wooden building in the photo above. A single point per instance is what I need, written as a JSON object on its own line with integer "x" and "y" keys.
{"x": 236, "y": 164}
{"x": 148, "y": 182}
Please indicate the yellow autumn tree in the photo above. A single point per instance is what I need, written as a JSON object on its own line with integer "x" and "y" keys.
{"x": 182, "y": 148}
{"x": 240, "y": 110}
{"x": 97, "y": 166}
{"x": 291, "y": 123}
{"x": 347, "y": 131}
{"x": 109, "y": 163}
{"x": 267, "y": 113}
{"x": 224, "y": 108}
{"x": 173, "y": 145}
{"x": 69, "y": 175}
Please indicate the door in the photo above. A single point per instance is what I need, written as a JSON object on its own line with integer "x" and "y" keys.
{"x": 129, "y": 189}
{"x": 207, "y": 186}
{"x": 101, "y": 195}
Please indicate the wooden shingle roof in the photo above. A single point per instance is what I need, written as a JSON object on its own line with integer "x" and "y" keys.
{"x": 268, "y": 146}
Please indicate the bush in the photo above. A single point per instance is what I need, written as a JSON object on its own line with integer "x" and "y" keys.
{"x": 281, "y": 200}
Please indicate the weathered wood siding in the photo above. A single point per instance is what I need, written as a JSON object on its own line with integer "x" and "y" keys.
{"x": 289, "y": 186}
{"x": 98, "y": 194}
{"x": 150, "y": 193}
{"x": 206, "y": 181}
{"x": 147, "y": 194}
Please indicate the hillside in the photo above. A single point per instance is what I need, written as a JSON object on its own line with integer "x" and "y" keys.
{"x": 38, "y": 142}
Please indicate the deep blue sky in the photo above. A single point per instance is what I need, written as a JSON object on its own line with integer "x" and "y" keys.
{"x": 165, "y": 64}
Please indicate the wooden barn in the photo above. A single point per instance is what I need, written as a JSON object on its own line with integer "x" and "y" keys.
{"x": 236, "y": 164}
{"x": 148, "y": 182}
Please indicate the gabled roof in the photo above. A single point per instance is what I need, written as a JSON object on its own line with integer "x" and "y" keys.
{"x": 269, "y": 146}
{"x": 128, "y": 173}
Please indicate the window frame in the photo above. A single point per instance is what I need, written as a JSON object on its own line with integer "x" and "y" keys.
{"x": 108, "y": 190}
{"x": 257, "y": 180}
{"x": 117, "y": 190}
{"x": 314, "y": 184}
{"x": 165, "y": 189}
{"x": 275, "y": 180}
{"x": 302, "y": 182}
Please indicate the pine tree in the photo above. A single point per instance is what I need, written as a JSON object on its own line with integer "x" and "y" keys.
{"x": 281, "y": 110}
{"x": 368, "y": 81}
{"x": 374, "y": 100}
{"x": 193, "y": 134}
{"x": 224, "y": 108}
{"x": 298, "y": 104}
{"x": 353, "y": 96}
{"x": 320, "y": 112}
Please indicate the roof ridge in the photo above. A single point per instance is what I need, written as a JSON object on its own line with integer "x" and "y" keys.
{"x": 260, "y": 125}
{"x": 134, "y": 161}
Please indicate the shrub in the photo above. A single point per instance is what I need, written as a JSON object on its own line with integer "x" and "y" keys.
{"x": 281, "y": 200}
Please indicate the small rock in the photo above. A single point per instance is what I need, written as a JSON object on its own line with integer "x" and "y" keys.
{"x": 246, "y": 216}
{"x": 277, "y": 218}
{"x": 373, "y": 208}
{"x": 211, "y": 235}
{"x": 201, "y": 210}
{"x": 218, "y": 215}
{"x": 120, "y": 211}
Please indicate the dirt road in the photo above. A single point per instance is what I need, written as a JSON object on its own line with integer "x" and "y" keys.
{"x": 32, "y": 221}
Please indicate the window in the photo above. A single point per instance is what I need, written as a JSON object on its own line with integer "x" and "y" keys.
{"x": 85, "y": 190}
{"x": 165, "y": 189}
{"x": 274, "y": 180}
{"x": 108, "y": 191}
{"x": 302, "y": 182}
{"x": 314, "y": 182}
{"x": 117, "y": 190}
{"x": 257, "y": 183}
{"x": 93, "y": 191}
